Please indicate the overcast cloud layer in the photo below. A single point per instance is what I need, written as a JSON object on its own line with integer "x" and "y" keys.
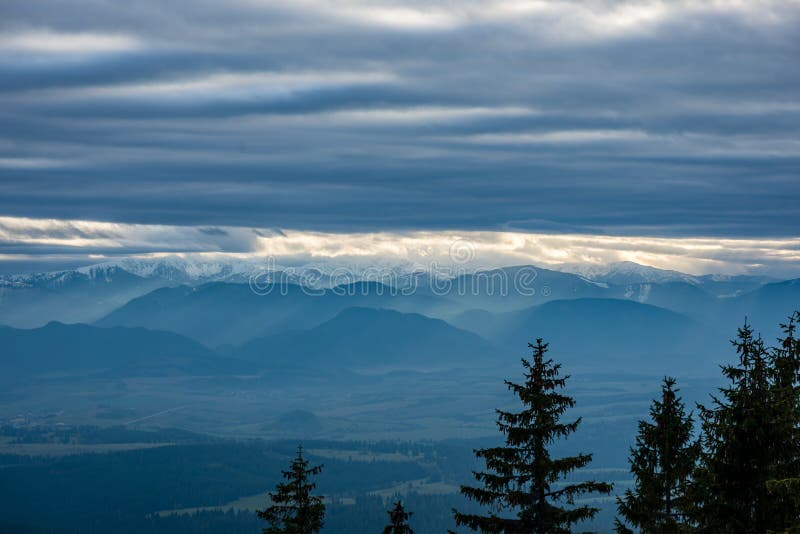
{"x": 39, "y": 242}
{"x": 673, "y": 118}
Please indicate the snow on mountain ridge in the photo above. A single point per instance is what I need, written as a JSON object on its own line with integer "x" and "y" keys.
{"x": 627, "y": 272}
{"x": 56, "y": 278}
{"x": 198, "y": 269}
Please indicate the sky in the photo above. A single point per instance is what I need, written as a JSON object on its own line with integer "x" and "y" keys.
{"x": 592, "y": 131}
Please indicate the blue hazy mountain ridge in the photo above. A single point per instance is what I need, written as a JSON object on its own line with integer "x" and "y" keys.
{"x": 312, "y": 330}
{"x": 69, "y": 296}
{"x": 92, "y": 293}
{"x": 364, "y": 338}
{"x": 731, "y": 286}
{"x": 220, "y": 313}
{"x": 624, "y": 327}
{"x": 230, "y": 314}
{"x": 681, "y": 297}
{"x": 517, "y": 287}
{"x": 586, "y": 331}
{"x": 118, "y": 351}
{"x": 768, "y": 306}
{"x": 601, "y": 332}
{"x": 522, "y": 286}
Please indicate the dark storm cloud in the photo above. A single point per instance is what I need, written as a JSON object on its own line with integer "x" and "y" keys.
{"x": 673, "y": 118}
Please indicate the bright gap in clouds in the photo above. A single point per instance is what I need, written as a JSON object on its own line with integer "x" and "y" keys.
{"x": 96, "y": 242}
{"x": 47, "y": 41}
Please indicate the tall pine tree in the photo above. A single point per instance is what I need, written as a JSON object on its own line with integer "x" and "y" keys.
{"x": 739, "y": 440}
{"x": 786, "y": 398}
{"x": 398, "y": 520}
{"x": 661, "y": 463}
{"x": 294, "y": 509}
{"x": 521, "y": 485}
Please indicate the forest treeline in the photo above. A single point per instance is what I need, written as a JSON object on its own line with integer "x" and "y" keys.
{"x": 732, "y": 466}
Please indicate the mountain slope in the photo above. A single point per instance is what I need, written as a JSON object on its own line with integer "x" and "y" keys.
{"x": 600, "y": 332}
{"x": 220, "y": 313}
{"x": 765, "y": 307}
{"x": 629, "y": 273}
{"x": 513, "y": 288}
{"x": 678, "y": 296}
{"x": 70, "y": 296}
{"x": 373, "y": 338}
{"x": 63, "y": 348}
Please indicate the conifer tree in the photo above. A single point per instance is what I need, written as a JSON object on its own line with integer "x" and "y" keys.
{"x": 739, "y": 440}
{"x": 398, "y": 520}
{"x": 786, "y": 398}
{"x": 294, "y": 509}
{"x": 661, "y": 463}
{"x": 521, "y": 484}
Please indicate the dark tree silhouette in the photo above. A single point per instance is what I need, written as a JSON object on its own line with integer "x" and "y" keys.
{"x": 741, "y": 432}
{"x": 398, "y": 520}
{"x": 785, "y": 489}
{"x": 661, "y": 463}
{"x": 294, "y": 509}
{"x": 520, "y": 486}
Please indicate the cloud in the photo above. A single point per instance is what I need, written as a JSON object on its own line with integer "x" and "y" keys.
{"x": 23, "y": 239}
{"x": 564, "y": 136}
{"x": 32, "y": 163}
{"x": 224, "y": 86}
{"x": 48, "y": 41}
{"x": 597, "y": 117}
{"x": 86, "y": 238}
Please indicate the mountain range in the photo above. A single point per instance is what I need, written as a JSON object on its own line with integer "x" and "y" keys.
{"x": 84, "y": 295}
{"x": 220, "y": 313}
{"x": 90, "y": 293}
{"x": 178, "y": 316}
{"x": 630, "y": 273}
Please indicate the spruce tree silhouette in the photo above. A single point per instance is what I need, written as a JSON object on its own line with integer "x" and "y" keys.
{"x": 294, "y": 509}
{"x": 520, "y": 486}
{"x": 785, "y": 488}
{"x": 741, "y": 432}
{"x": 398, "y": 520}
{"x": 661, "y": 463}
